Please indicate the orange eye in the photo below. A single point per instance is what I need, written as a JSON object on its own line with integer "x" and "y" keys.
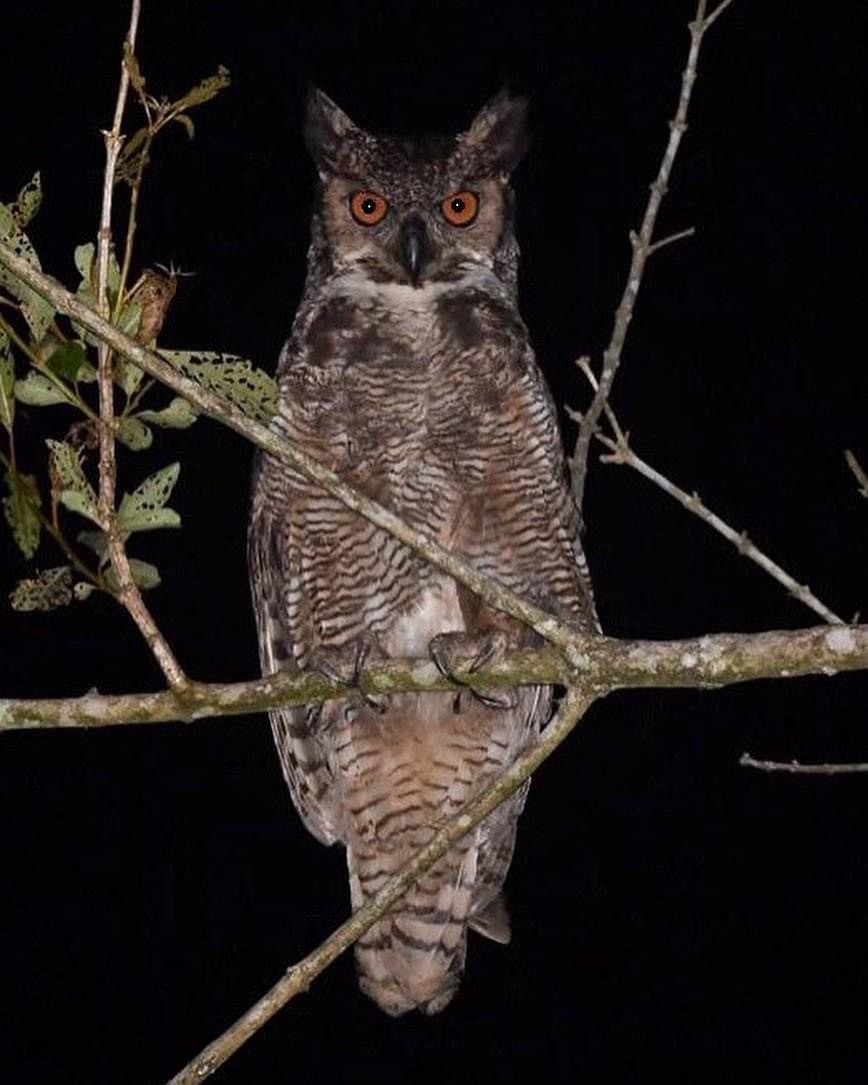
{"x": 368, "y": 208}
{"x": 460, "y": 208}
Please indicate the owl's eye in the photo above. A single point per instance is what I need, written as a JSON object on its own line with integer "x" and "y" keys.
{"x": 368, "y": 208}
{"x": 460, "y": 208}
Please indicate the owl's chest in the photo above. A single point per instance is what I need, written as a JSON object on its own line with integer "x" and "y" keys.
{"x": 409, "y": 376}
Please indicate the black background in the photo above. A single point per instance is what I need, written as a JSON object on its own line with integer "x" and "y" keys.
{"x": 671, "y": 910}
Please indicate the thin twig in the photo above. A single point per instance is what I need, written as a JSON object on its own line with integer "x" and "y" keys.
{"x": 128, "y": 592}
{"x": 622, "y": 453}
{"x": 663, "y": 242}
{"x": 299, "y": 977}
{"x": 266, "y": 438}
{"x": 858, "y": 470}
{"x": 603, "y": 664}
{"x": 643, "y": 246}
{"x": 800, "y": 768}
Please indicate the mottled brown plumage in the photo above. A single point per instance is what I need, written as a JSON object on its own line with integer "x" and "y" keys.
{"x": 410, "y": 373}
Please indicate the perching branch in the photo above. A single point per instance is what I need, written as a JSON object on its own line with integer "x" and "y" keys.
{"x": 602, "y": 664}
{"x": 643, "y": 246}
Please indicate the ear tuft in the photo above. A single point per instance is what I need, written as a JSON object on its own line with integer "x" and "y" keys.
{"x": 326, "y": 131}
{"x": 498, "y": 134}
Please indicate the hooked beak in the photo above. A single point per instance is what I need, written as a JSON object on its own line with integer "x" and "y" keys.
{"x": 414, "y": 246}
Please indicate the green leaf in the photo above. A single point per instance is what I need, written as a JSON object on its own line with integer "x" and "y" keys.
{"x": 130, "y": 318}
{"x": 95, "y": 541}
{"x": 28, "y": 201}
{"x": 84, "y": 255}
{"x": 67, "y": 360}
{"x": 49, "y": 589}
{"x": 69, "y": 480}
{"x": 178, "y": 415}
{"x": 134, "y": 434}
{"x": 128, "y": 376}
{"x": 7, "y": 383}
{"x": 37, "y": 312}
{"x": 83, "y": 590}
{"x": 145, "y": 575}
{"x": 144, "y": 509}
{"x": 19, "y": 508}
{"x": 231, "y": 377}
{"x": 36, "y": 390}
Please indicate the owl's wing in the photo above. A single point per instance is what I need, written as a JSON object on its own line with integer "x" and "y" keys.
{"x": 284, "y": 633}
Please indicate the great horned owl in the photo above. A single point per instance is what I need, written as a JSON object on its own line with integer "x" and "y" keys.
{"x": 409, "y": 373}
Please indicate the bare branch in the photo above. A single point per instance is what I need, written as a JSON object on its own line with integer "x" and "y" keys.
{"x": 601, "y": 664}
{"x": 800, "y": 768}
{"x": 680, "y": 236}
{"x": 622, "y": 453}
{"x": 858, "y": 470}
{"x": 643, "y": 246}
{"x": 270, "y": 441}
{"x": 128, "y": 592}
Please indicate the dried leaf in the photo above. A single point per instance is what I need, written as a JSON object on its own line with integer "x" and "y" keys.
{"x": 203, "y": 92}
{"x": 49, "y": 589}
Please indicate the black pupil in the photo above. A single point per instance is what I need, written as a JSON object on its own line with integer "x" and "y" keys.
{"x": 458, "y": 205}
{"x": 369, "y": 206}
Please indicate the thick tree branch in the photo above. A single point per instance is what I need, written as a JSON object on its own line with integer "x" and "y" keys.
{"x": 643, "y": 246}
{"x": 270, "y": 441}
{"x": 299, "y": 977}
{"x": 603, "y": 664}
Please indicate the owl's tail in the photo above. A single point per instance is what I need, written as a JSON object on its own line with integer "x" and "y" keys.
{"x": 414, "y": 957}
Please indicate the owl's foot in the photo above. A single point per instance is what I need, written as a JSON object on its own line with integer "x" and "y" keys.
{"x": 345, "y": 666}
{"x": 458, "y": 655}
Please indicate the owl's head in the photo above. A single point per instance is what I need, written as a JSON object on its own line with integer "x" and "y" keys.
{"x": 416, "y": 211}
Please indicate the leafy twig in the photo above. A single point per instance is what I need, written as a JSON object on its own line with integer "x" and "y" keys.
{"x": 643, "y": 246}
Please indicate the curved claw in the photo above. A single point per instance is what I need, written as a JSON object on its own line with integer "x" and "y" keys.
{"x": 464, "y": 652}
{"x": 345, "y": 665}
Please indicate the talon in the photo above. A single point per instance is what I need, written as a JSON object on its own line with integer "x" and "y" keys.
{"x": 452, "y": 652}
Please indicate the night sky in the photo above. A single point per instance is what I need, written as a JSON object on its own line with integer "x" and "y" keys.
{"x": 672, "y": 912}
